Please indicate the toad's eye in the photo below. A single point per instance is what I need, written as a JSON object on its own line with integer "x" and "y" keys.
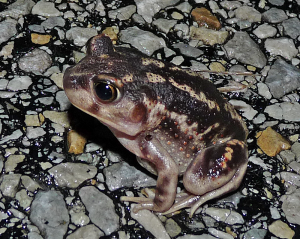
{"x": 106, "y": 91}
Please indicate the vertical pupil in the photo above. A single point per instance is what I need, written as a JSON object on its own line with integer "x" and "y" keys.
{"x": 104, "y": 91}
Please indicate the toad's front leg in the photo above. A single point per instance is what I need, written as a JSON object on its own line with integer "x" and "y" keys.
{"x": 167, "y": 172}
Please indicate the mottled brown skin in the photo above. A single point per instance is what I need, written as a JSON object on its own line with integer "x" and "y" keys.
{"x": 176, "y": 122}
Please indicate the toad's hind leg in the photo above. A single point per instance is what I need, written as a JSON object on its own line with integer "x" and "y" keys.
{"x": 216, "y": 171}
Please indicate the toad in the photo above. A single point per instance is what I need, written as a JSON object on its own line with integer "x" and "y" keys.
{"x": 175, "y": 122}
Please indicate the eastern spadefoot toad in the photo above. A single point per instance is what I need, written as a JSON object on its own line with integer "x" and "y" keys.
{"x": 176, "y": 122}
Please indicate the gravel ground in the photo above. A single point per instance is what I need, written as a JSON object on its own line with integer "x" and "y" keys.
{"x": 57, "y": 183}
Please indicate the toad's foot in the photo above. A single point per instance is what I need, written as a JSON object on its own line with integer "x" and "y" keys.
{"x": 143, "y": 202}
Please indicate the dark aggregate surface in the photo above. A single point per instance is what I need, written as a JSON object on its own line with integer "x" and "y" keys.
{"x": 43, "y": 152}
